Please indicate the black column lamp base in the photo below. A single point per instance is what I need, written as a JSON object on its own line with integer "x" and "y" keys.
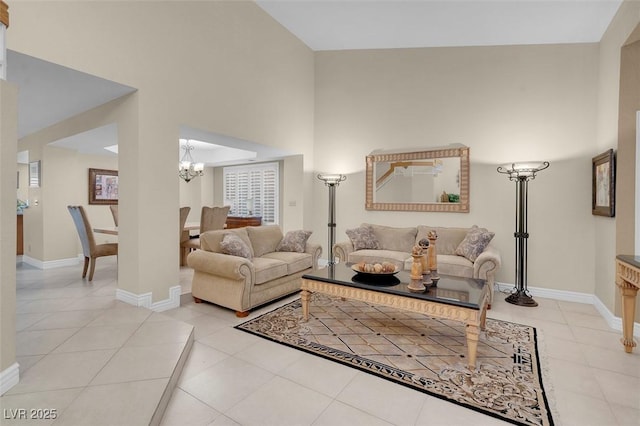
{"x": 522, "y": 173}
{"x": 521, "y": 298}
{"x": 331, "y": 181}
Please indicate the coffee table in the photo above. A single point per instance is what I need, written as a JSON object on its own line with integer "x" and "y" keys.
{"x": 454, "y": 298}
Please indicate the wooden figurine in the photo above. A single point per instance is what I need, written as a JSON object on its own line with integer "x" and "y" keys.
{"x": 426, "y": 272}
{"x": 416, "y": 285}
{"x": 433, "y": 256}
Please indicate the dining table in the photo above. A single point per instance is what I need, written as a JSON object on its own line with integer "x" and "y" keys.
{"x": 113, "y": 230}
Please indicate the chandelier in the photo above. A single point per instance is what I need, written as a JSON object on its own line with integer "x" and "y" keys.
{"x": 188, "y": 168}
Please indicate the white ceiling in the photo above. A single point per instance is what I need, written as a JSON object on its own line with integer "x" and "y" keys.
{"x": 49, "y": 93}
{"x": 366, "y": 24}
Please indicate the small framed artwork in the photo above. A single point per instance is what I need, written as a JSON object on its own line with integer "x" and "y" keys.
{"x": 603, "y": 171}
{"x": 34, "y": 174}
{"x": 103, "y": 186}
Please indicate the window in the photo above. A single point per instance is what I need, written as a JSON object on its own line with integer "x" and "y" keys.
{"x": 253, "y": 190}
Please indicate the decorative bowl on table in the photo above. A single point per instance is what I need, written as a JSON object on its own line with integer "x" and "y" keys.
{"x": 375, "y": 269}
{"x": 385, "y": 276}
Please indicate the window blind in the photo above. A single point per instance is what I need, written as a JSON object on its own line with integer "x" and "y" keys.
{"x": 256, "y": 182}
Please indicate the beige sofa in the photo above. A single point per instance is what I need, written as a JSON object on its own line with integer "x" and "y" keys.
{"x": 395, "y": 245}
{"x": 242, "y": 283}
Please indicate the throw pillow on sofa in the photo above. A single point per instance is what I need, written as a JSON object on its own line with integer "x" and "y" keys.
{"x": 363, "y": 238}
{"x": 235, "y": 246}
{"x": 295, "y": 241}
{"x": 474, "y": 243}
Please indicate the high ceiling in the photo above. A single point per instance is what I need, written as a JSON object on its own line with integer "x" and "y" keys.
{"x": 49, "y": 93}
{"x": 375, "y": 24}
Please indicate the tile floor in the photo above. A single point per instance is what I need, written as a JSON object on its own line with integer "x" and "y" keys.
{"x": 234, "y": 378}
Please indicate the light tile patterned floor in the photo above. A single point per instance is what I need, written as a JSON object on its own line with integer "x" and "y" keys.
{"x": 234, "y": 378}
{"x": 92, "y": 359}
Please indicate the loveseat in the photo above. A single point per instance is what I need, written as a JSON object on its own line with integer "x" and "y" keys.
{"x": 475, "y": 257}
{"x": 243, "y": 268}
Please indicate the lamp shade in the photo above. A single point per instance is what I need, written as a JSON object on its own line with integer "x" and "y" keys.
{"x": 523, "y": 169}
{"x": 331, "y": 179}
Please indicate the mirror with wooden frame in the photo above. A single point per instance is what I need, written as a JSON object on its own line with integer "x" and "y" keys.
{"x": 434, "y": 180}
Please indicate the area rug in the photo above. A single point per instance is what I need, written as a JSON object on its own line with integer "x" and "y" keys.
{"x": 425, "y": 354}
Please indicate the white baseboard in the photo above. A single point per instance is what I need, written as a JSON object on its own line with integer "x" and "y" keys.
{"x": 49, "y": 264}
{"x": 572, "y": 296}
{"x": 145, "y": 300}
{"x": 9, "y": 377}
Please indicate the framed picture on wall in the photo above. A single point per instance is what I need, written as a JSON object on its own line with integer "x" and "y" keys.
{"x": 103, "y": 186}
{"x": 603, "y": 176}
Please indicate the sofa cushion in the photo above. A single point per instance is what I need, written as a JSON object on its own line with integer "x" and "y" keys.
{"x": 378, "y": 256}
{"x": 296, "y": 262}
{"x": 395, "y": 239}
{"x": 234, "y": 245}
{"x": 363, "y": 238}
{"x": 295, "y": 241}
{"x": 210, "y": 240}
{"x": 268, "y": 269}
{"x": 474, "y": 243}
{"x": 448, "y": 238}
{"x": 264, "y": 239}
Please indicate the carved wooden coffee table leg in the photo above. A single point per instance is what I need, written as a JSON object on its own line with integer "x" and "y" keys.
{"x": 483, "y": 317}
{"x": 305, "y": 296}
{"x": 473, "y": 334}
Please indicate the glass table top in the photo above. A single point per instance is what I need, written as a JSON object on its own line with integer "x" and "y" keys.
{"x": 630, "y": 259}
{"x": 458, "y": 291}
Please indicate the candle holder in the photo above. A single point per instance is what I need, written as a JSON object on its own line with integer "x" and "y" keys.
{"x": 433, "y": 257}
{"x": 416, "y": 285}
{"x": 426, "y": 272}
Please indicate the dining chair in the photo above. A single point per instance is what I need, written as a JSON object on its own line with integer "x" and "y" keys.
{"x": 114, "y": 213}
{"x": 211, "y": 218}
{"x": 184, "y": 235}
{"x": 90, "y": 249}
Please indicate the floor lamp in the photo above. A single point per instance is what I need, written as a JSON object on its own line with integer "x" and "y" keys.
{"x": 332, "y": 181}
{"x": 522, "y": 173}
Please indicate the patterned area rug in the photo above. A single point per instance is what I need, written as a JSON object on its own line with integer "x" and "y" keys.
{"x": 425, "y": 354}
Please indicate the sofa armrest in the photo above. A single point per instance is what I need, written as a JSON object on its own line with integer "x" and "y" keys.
{"x": 342, "y": 250}
{"x": 487, "y": 264}
{"x": 222, "y": 265}
{"x": 315, "y": 250}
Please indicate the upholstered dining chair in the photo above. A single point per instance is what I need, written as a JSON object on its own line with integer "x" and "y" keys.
{"x": 90, "y": 249}
{"x": 184, "y": 235}
{"x": 114, "y": 213}
{"x": 211, "y": 218}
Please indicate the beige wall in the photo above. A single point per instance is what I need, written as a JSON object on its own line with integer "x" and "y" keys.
{"x": 197, "y": 193}
{"x": 222, "y": 67}
{"x": 293, "y": 185}
{"x": 23, "y": 185}
{"x": 70, "y": 170}
{"x": 227, "y": 67}
{"x": 8, "y": 152}
{"x": 506, "y": 103}
{"x": 49, "y": 233}
{"x": 615, "y": 235}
